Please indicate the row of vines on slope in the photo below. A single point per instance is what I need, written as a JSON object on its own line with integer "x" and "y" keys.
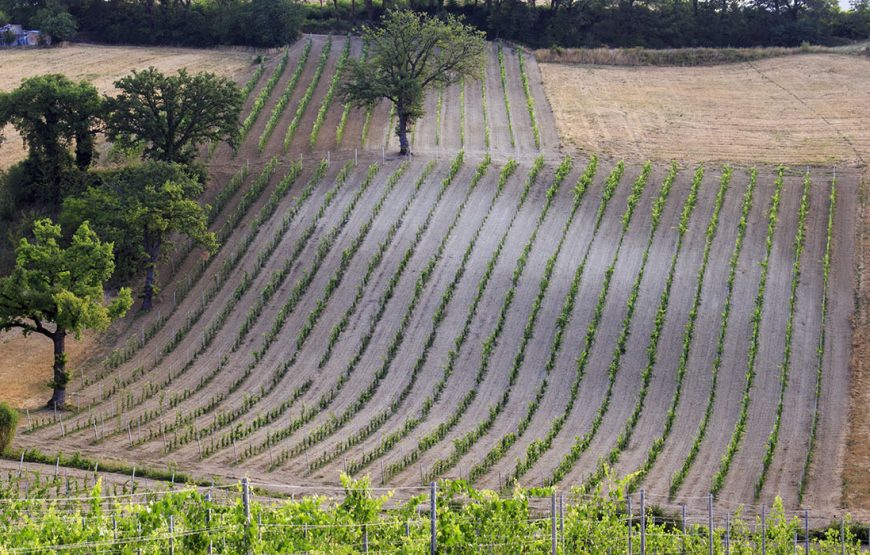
{"x": 658, "y": 445}
{"x": 386, "y": 443}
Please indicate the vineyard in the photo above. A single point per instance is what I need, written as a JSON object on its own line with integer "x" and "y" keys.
{"x": 486, "y": 310}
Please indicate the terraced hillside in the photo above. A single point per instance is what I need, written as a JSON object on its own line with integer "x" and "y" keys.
{"x": 486, "y": 309}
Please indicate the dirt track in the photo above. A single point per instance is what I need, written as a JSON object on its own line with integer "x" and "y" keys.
{"x": 236, "y": 403}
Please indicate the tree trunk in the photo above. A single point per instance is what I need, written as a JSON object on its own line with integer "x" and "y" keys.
{"x": 84, "y": 150}
{"x": 370, "y": 9}
{"x": 58, "y": 397}
{"x": 402, "y": 130}
{"x": 152, "y": 247}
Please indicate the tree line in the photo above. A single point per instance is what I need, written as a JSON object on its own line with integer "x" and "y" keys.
{"x": 114, "y": 224}
{"x": 538, "y": 24}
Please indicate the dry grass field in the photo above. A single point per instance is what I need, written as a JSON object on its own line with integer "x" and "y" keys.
{"x": 808, "y": 109}
{"x": 102, "y": 66}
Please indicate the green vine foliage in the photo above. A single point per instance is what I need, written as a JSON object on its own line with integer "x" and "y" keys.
{"x": 740, "y": 425}
{"x": 820, "y": 349}
{"x": 680, "y": 475}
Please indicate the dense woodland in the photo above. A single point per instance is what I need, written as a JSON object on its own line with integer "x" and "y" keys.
{"x": 550, "y": 23}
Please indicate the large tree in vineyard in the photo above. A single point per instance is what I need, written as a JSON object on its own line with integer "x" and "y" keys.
{"x": 56, "y": 291}
{"x": 173, "y": 114}
{"x": 407, "y": 54}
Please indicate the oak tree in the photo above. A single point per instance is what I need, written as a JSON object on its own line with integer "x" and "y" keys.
{"x": 408, "y": 54}
{"x": 173, "y": 114}
{"x": 138, "y": 207}
{"x": 56, "y": 291}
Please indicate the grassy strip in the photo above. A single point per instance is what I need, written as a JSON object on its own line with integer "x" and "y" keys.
{"x": 658, "y": 445}
{"x": 386, "y": 443}
{"x": 309, "y": 94}
{"x": 367, "y": 121}
{"x": 740, "y": 426}
{"x": 375, "y": 423}
{"x": 464, "y": 444}
{"x": 330, "y": 93}
{"x": 491, "y": 341}
{"x": 530, "y": 101}
{"x": 504, "y": 90}
{"x": 285, "y": 97}
{"x": 539, "y": 446}
{"x": 217, "y": 323}
{"x": 313, "y": 317}
{"x": 274, "y": 437}
{"x": 820, "y": 361}
{"x": 390, "y": 125}
{"x": 799, "y": 240}
{"x": 334, "y": 423}
{"x": 263, "y": 96}
{"x": 342, "y": 122}
{"x": 661, "y": 314}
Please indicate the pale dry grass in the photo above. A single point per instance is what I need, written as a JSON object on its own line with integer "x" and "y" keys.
{"x": 102, "y": 66}
{"x": 26, "y": 367}
{"x": 810, "y": 109}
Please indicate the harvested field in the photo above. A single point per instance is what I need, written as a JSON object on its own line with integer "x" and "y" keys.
{"x": 103, "y": 65}
{"x": 448, "y": 315}
{"x": 796, "y": 110}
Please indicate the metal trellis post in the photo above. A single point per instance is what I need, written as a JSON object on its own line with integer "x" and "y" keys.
{"x": 553, "y": 537}
{"x": 642, "y": 523}
{"x": 433, "y": 507}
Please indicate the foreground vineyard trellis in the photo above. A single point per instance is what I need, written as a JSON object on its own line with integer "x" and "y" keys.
{"x": 500, "y": 313}
{"x": 60, "y": 516}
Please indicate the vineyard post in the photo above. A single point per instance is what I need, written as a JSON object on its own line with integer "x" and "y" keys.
{"x": 246, "y": 500}
{"x": 171, "y": 534}
{"x": 114, "y": 528}
{"x": 562, "y": 520}
{"x": 763, "y": 530}
{"x": 842, "y": 536}
{"x": 57, "y": 467}
{"x": 710, "y": 520}
{"x": 628, "y": 507}
{"x": 642, "y": 523}
{"x": 807, "y": 531}
{"x": 433, "y": 507}
{"x": 208, "y": 520}
{"x": 795, "y": 542}
{"x": 683, "y": 549}
{"x": 553, "y": 537}
{"x": 139, "y": 534}
{"x": 365, "y": 539}
{"x": 728, "y": 534}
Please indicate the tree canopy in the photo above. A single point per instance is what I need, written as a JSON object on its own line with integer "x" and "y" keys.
{"x": 408, "y": 54}
{"x": 53, "y": 113}
{"x": 60, "y": 288}
{"x": 173, "y": 114}
{"x": 137, "y": 207}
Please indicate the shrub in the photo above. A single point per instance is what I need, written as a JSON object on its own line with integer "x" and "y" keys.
{"x": 8, "y": 422}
